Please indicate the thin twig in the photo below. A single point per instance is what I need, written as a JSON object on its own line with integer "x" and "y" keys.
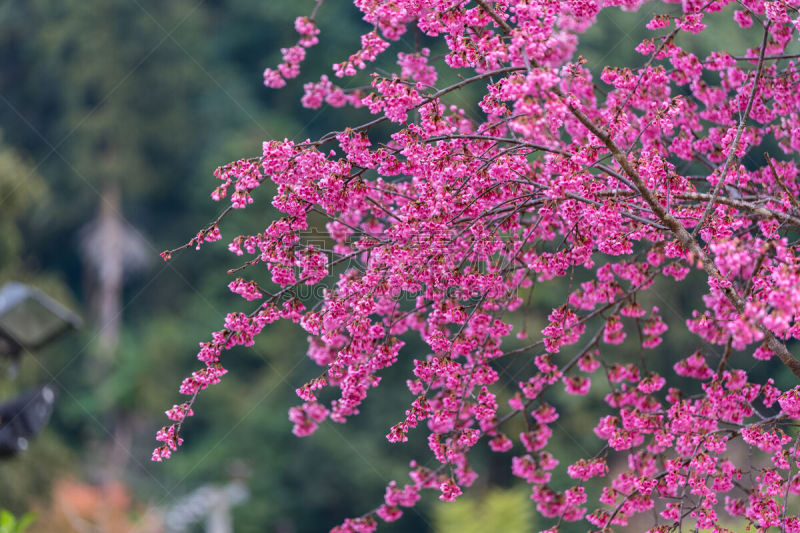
{"x": 737, "y": 137}
{"x": 775, "y": 175}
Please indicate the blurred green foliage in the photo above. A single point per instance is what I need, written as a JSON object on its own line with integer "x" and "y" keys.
{"x": 497, "y": 510}
{"x": 11, "y": 524}
{"x": 21, "y": 189}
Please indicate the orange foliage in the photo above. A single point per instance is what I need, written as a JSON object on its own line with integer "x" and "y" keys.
{"x": 78, "y": 507}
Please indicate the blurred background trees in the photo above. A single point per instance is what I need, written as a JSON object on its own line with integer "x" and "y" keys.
{"x": 114, "y": 116}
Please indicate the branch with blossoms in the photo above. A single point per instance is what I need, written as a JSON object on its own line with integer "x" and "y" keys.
{"x": 292, "y": 57}
{"x": 440, "y": 221}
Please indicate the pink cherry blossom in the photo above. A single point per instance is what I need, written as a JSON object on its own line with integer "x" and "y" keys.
{"x": 596, "y": 185}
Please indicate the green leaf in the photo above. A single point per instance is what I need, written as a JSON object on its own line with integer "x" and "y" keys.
{"x": 25, "y": 522}
{"x": 7, "y": 522}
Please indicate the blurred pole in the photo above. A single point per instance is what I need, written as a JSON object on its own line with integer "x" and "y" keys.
{"x": 103, "y": 252}
{"x": 111, "y": 249}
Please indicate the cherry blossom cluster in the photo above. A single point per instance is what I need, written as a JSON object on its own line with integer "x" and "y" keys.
{"x": 640, "y": 177}
{"x": 292, "y": 57}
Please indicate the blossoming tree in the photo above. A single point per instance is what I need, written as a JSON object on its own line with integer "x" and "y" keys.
{"x": 436, "y": 229}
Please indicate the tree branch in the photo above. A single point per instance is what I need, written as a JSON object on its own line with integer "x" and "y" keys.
{"x": 737, "y": 137}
